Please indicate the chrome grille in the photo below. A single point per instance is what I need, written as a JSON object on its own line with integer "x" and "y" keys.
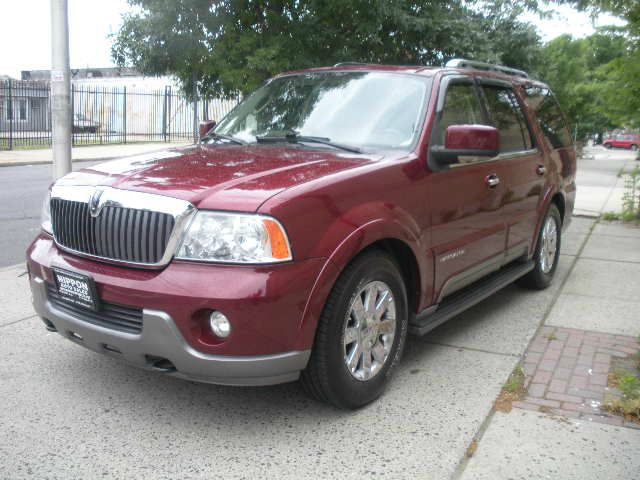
{"x": 117, "y": 233}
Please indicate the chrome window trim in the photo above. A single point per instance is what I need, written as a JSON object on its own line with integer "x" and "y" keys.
{"x": 181, "y": 210}
{"x": 502, "y": 156}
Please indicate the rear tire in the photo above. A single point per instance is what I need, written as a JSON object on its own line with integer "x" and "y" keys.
{"x": 349, "y": 327}
{"x": 547, "y": 252}
{"x": 634, "y": 148}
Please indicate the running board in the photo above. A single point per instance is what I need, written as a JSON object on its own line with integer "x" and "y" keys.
{"x": 460, "y": 301}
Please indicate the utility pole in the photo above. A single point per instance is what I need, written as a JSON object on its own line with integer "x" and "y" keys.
{"x": 60, "y": 89}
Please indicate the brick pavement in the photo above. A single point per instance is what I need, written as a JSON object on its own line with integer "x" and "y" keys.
{"x": 566, "y": 372}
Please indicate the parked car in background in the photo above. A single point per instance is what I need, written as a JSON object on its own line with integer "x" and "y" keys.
{"x": 331, "y": 213}
{"x": 82, "y": 124}
{"x": 628, "y": 141}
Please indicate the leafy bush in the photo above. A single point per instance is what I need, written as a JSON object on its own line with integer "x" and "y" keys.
{"x": 631, "y": 197}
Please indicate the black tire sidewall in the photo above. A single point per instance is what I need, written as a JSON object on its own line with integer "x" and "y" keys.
{"x": 354, "y": 393}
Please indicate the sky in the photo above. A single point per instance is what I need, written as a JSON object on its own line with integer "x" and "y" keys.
{"x": 25, "y": 34}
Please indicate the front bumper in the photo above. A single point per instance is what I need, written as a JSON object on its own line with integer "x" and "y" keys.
{"x": 161, "y": 347}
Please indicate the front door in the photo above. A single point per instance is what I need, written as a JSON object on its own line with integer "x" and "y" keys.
{"x": 468, "y": 231}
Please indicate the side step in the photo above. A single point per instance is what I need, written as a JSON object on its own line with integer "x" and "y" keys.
{"x": 476, "y": 292}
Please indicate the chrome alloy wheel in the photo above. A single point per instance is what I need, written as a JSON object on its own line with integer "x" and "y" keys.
{"x": 369, "y": 330}
{"x": 549, "y": 245}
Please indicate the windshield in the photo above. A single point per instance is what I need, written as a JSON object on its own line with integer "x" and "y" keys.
{"x": 360, "y": 109}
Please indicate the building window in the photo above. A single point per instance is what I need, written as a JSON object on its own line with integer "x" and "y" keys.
{"x": 16, "y": 109}
{"x": 22, "y": 109}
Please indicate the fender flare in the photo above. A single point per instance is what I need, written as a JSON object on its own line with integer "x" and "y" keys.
{"x": 542, "y": 210}
{"x": 370, "y": 231}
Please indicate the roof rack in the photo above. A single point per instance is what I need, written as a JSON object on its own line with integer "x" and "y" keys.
{"x": 344, "y": 64}
{"x": 463, "y": 63}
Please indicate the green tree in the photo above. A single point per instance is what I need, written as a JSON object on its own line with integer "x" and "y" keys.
{"x": 619, "y": 79}
{"x": 577, "y": 71}
{"x": 225, "y": 46}
{"x": 626, "y": 9}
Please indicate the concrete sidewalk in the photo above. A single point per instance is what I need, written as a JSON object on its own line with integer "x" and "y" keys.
{"x": 559, "y": 429}
{"x": 600, "y": 189}
{"x": 62, "y": 403}
{"x": 84, "y": 153}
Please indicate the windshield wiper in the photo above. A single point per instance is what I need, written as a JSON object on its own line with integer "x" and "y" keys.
{"x": 224, "y": 137}
{"x": 295, "y": 138}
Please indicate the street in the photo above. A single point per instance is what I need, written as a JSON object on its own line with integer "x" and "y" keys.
{"x": 93, "y": 416}
{"x": 22, "y": 190}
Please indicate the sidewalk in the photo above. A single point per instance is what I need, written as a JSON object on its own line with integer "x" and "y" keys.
{"x": 600, "y": 190}
{"x": 94, "y": 152}
{"x": 560, "y": 429}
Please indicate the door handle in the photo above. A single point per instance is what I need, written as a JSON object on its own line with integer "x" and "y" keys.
{"x": 492, "y": 180}
{"x": 541, "y": 170}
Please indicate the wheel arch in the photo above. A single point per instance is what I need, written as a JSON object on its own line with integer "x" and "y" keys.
{"x": 559, "y": 201}
{"x": 391, "y": 237}
{"x": 556, "y": 198}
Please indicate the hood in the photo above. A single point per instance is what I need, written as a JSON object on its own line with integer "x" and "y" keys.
{"x": 219, "y": 177}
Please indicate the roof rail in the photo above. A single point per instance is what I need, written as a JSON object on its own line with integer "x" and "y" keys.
{"x": 463, "y": 63}
{"x": 344, "y": 64}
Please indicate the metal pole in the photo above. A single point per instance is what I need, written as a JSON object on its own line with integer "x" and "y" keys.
{"x": 164, "y": 115}
{"x": 60, "y": 89}
{"x": 10, "y": 113}
{"x": 124, "y": 112}
{"x": 196, "y": 133}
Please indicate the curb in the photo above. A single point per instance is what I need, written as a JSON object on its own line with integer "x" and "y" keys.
{"x": 23, "y": 163}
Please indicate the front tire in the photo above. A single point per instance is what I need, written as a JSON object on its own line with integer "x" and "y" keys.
{"x": 634, "y": 148}
{"x": 547, "y": 252}
{"x": 360, "y": 335}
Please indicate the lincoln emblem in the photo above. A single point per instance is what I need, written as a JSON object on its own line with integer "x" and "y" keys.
{"x": 94, "y": 202}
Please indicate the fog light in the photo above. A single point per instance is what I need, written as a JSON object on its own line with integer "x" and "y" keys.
{"x": 219, "y": 324}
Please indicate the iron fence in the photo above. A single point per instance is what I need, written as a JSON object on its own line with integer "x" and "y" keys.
{"x": 102, "y": 114}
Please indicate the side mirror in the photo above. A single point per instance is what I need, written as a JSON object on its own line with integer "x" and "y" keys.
{"x": 206, "y": 126}
{"x": 467, "y": 140}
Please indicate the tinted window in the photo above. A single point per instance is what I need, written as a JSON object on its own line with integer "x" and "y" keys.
{"x": 550, "y": 116}
{"x": 506, "y": 115}
{"x": 461, "y": 107}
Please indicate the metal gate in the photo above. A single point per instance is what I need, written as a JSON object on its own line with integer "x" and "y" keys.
{"x": 102, "y": 115}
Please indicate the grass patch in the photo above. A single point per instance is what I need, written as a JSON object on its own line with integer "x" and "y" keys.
{"x": 626, "y": 379}
{"x": 512, "y": 391}
{"x": 550, "y": 336}
{"x": 611, "y": 216}
{"x": 630, "y": 198}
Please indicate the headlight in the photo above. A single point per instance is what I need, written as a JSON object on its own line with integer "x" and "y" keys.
{"x": 45, "y": 217}
{"x": 235, "y": 238}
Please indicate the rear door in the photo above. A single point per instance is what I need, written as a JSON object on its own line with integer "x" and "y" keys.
{"x": 523, "y": 167}
{"x": 468, "y": 230}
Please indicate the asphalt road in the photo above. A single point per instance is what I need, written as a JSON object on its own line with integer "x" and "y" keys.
{"x": 21, "y": 192}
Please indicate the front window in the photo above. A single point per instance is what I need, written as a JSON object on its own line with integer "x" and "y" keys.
{"x": 362, "y": 109}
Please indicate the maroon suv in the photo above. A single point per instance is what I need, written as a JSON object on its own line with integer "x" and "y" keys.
{"x": 329, "y": 214}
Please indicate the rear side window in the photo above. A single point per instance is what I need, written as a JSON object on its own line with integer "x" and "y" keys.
{"x": 506, "y": 115}
{"x": 461, "y": 107}
{"x": 549, "y": 116}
